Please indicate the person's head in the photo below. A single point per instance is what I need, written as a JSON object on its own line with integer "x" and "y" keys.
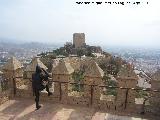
{"x": 38, "y": 69}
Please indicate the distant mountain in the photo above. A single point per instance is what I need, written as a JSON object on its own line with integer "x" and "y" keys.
{"x": 12, "y": 43}
{"x": 7, "y": 40}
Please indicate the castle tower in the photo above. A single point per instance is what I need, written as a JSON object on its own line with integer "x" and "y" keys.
{"x": 127, "y": 78}
{"x": 12, "y": 69}
{"x": 78, "y": 40}
{"x": 93, "y": 76}
{"x": 62, "y": 73}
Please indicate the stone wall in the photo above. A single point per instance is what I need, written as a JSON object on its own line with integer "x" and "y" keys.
{"x": 155, "y": 99}
{"x": 4, "y": 92}
{"x": 4, "y": 96}
{"x": 90, "y": 97}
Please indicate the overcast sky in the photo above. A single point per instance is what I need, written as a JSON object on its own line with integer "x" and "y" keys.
{"x": 55, "y": 21}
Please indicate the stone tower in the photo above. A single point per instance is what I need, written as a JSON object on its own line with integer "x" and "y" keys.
{"x": 127, "y": 78}
{"x": 78, "y": 40}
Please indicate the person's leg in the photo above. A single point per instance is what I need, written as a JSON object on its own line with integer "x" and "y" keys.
{"x": 37, "y": 99}
{"x": 47, "y": 89}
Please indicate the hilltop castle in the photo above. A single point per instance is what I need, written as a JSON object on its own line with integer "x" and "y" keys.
{"x": 79, "y": 43}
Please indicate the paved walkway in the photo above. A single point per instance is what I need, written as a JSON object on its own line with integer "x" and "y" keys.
{"x": 21, "y": 109}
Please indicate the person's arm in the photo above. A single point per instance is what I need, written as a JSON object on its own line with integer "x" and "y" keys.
{"x": 46, "y": 74}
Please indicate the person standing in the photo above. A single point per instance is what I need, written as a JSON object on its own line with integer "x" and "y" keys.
{"x": 38, "y": 78}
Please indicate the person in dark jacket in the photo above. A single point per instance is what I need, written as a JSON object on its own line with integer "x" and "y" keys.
{"x": 38, "y": 78}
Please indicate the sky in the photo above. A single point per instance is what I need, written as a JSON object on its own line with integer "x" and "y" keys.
{"x": 55, "y": 21}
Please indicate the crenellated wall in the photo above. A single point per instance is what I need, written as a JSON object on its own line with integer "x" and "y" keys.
{"x": 90, "y": 98}
{"x": 21, "y": 86}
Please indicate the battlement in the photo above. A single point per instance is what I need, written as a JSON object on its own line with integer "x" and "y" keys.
{"x": 86, "y": 89}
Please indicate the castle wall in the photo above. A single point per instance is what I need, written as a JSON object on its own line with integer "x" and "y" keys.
{"x": 91, "y": 94}
{"x": 155, "y": 84}
{"x": 126, "y": 97}
{"x": 4, "y": 96}
{"x": 155, "y": 99}
{"x": 11, "y": 77}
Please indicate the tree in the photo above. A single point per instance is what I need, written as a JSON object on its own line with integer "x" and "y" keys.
{"x": 89, "y": 54}
{"x": 107, "y": 81}
{"x": 61, "y": 51}
{"x": 78, "y": 77}
{"x": 80, "y": 52}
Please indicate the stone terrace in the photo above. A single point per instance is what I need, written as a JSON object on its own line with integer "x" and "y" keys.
{"x": 24, "y": 109}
